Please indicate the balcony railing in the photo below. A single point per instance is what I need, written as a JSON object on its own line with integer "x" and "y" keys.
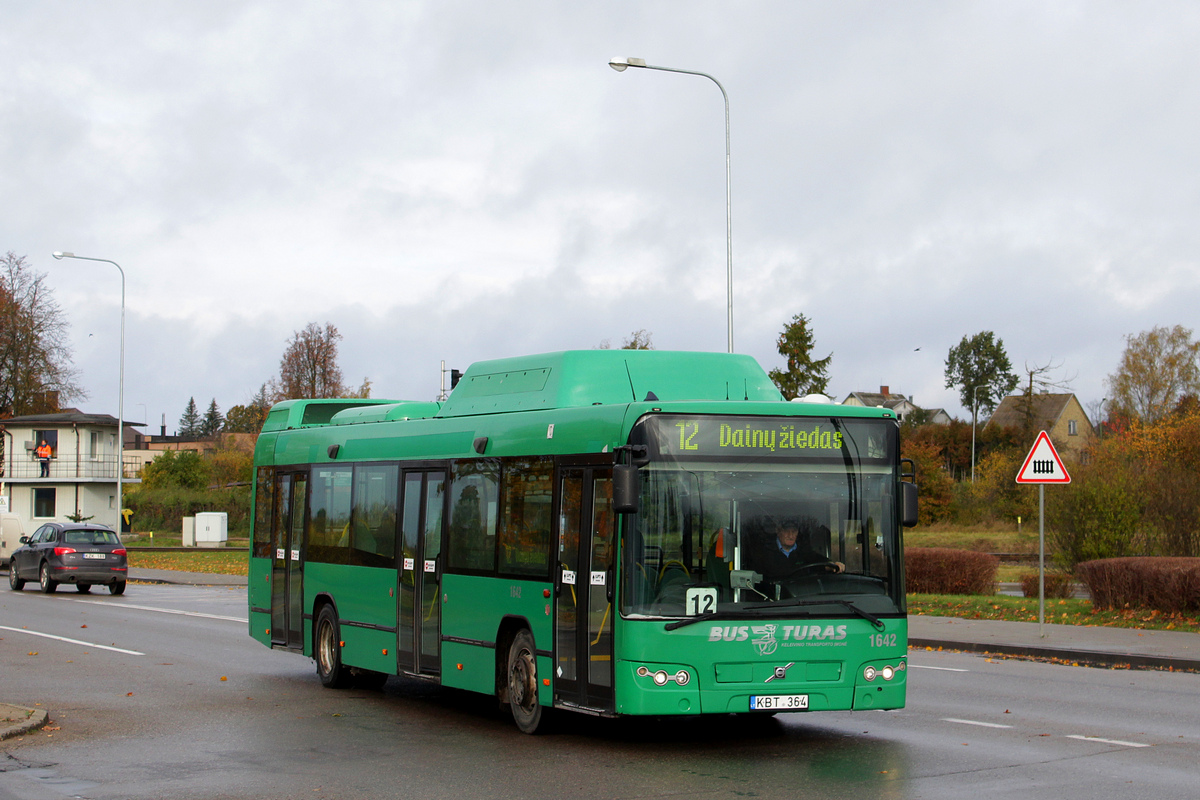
{"x": 69, "y": 469}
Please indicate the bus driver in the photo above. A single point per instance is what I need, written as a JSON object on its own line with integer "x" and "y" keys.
{"x": 784, "y": 556}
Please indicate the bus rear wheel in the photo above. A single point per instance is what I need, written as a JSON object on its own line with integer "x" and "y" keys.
{"x": 327, "y": 647}
{"x": 523, "y": 683}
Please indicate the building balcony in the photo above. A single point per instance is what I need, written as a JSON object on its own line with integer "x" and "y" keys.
{"x": 87, "y": 469}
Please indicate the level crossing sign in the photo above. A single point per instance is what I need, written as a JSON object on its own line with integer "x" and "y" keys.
{"x": 1043, "y": 465}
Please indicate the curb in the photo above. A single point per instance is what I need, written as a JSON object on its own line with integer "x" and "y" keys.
{"x": 1093, "y": 658}
{"x": 16, "y": 720}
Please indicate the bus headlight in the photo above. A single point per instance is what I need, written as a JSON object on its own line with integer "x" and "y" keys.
{"x": 661, "y": 677}
{"x": 887, "y": 672}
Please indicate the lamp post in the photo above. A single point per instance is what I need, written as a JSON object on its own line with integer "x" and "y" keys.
{"x": 622, "y": 64}
{"x": 974, "y": 405}
{"x": 120, "y": 383}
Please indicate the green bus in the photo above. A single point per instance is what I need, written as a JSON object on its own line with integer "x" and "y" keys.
{"x": 593, "y": 531}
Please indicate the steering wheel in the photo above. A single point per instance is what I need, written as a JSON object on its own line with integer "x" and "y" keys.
{"x": 817, "y": 566}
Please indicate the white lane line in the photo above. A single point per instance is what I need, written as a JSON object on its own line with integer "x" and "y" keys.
{"x": 165, "y": 610}
{"x": 1108, "y": 741}
{"x": 974, "y": 722}
{"x": 71, "y": 641}
{"x": 941, "y": 669}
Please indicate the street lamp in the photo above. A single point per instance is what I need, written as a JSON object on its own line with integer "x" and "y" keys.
{"x": 120, "y": 383}
{"x": 974, "y": 404}
{"x": 622, "y": 64}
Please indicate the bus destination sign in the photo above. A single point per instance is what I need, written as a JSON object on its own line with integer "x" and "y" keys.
{"x": 744, "y": 436}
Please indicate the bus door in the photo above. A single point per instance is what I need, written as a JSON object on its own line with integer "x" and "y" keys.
{"x": 419, "y": 635}
{"x": 287, "y": 574}
{"x": 586, "y": 587}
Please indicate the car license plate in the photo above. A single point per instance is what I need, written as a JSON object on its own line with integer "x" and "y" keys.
{"x": 778, "y": 702}
{"x": 95, "y": 555}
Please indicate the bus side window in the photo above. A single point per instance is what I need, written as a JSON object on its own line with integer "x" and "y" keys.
{"x": 524, "y": 535}
{"x": 473, "y": 507}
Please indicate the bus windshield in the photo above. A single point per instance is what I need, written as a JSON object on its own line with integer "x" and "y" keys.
{"x": 754, "y": 516}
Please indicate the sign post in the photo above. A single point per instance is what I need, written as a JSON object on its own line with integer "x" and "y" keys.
{"x": 1042, "y": 466}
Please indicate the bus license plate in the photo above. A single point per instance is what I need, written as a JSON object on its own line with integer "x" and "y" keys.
{"x": 778, "y": 702}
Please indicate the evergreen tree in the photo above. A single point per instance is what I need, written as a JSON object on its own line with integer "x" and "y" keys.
{"x": 804, "y": 374}
{"x": 212, "y": 422}
{"x": 189, "y": 423}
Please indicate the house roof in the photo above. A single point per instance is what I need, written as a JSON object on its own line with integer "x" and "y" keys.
{"x": 1045, "y": 411}
{"x": 71, "y": 416}
{"x": 875, "y": 399}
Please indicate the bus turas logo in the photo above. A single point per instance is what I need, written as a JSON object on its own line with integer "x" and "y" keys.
{"x": 764, "y": 639}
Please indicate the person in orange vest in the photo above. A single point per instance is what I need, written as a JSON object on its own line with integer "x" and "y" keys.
{"x": 43, "y": 453}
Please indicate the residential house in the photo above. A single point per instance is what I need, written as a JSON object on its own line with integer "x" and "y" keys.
{"x": 81, "y": 479}
{"x": 897, "y": 402}
{"x": 1059, "y": 415}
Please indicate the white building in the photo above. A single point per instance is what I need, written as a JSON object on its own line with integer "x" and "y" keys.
{"x": 81, "y": 479}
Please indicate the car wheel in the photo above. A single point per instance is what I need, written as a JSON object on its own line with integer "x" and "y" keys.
{"x": 327, "y": 649}
{"x": 47, "y": 586}
{"x": 117, "y": 588}
{"x": 14, "y": 583}
{"x": 83, "y": 588}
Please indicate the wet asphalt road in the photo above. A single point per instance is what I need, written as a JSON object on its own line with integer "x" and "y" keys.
{"x": 146, "y": 703}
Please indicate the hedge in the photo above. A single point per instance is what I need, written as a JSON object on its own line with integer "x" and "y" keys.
{"x": 1171, "y": 585}
{"x": 942, "y": 570}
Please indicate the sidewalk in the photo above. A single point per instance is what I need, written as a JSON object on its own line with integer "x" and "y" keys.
{"x": 173, "y": 576}
{"x": 1096, "y": 646}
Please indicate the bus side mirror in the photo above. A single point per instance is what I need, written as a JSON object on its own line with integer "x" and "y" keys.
{"x": 626, "y": 488}
{"x": 910, "y": 504}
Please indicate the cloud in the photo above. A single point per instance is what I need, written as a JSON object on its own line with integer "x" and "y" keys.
{"x": 467, "y": 180}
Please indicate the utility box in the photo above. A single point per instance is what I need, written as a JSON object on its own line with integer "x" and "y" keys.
{"x": 212, "y": 529}
{"x": 189, "y": 531}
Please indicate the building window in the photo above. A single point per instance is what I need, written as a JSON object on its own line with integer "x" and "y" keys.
{"x": 1072, "y": 428}
{"x": 43, "y": 503}
{"x": 94, "y": 446}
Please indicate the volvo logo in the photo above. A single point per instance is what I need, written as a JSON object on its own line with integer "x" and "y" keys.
{"x": 780, "y": 672}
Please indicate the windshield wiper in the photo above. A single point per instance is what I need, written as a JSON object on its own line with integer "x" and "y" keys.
{"x": 736, "y": 614}
{"x": 869, "y": 617}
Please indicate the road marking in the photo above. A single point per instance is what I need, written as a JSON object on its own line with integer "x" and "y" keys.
{"x": 243, "y": 620}
{"x": 1109, "y": 741}
{"x": 942, "y": 669}
{"x": 71, "y": 641}
{"x": 973, "y": 722}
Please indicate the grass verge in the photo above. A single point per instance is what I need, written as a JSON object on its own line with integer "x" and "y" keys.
{"x": 1059, "y": 612}
{"x": 212, "y": 561}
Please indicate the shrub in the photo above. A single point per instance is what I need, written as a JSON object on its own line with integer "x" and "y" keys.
{"x": 170, "y": 469}
{"x": 164, "y": 509}
{"x": 1171, "y": 585}
{"x": 941, "y": 570}
{"x": 1059, "y": 585}
{"x": 933, "y": 482}
{"x": 1097, "y": 516}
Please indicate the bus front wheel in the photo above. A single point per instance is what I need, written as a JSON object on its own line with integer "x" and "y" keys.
{"x": 523, "y": 683}
{"x": 328, "y": 650}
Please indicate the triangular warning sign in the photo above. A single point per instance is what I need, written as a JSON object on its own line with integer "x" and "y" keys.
{"x": 1043, "y": 465}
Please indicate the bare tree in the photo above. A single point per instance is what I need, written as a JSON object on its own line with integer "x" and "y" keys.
{"x": 309, "y": 367}
{"x": 36, "y": 374}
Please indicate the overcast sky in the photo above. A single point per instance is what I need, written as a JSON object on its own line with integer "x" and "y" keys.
{"x": 470, "y": 180}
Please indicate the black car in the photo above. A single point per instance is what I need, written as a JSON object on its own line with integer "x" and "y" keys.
{"x": 67, "y": 552}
